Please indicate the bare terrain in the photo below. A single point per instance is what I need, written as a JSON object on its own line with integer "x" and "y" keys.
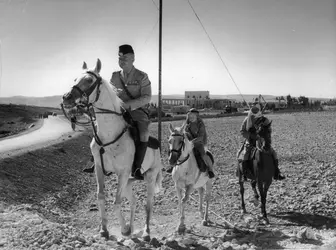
{"x": 16, "y": 119}
{"x": 48, "y": 203}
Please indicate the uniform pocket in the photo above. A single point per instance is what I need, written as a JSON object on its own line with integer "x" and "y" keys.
{"x": 134, "y": 89}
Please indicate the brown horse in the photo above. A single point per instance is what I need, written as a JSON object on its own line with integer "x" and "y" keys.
{"x": 263, "y": 167}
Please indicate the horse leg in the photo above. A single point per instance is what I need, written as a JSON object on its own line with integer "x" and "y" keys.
{"x": 184, "y": 200}
{"x": 122, "y": 183}
{"x": 181, "y": 226}
{"x": 101, "y": 201}
{"x": 263, "y": 194}
{"x": 241, "y": 184}
{"x": 128, "y": 193}
{"x": 256, "y": 195}
{"x": 208, "y": 190}
{"x": 200, "y": 204}
{"x": 149, "y": 177}
{"x": 266, "y": 187}
{"x": 254, "y": 184}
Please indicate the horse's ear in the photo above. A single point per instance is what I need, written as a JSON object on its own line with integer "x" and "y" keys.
{"x": 98, "y": 66}
{"x": 183, "y": 126}
{"x": 171, "y": 128}
{"x": 84, "y": 66}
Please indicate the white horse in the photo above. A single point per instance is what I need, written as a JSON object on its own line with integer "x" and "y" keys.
{"x": 113, "y": 148}
{"x": 187, "y": 175}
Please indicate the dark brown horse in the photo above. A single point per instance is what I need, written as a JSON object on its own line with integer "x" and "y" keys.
{"x": 262, "y": 166}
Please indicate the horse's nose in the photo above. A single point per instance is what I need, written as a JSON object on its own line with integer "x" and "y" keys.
{"x": 172, "y": 159}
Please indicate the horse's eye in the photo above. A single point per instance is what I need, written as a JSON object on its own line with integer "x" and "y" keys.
{"x": 75, "y": 79}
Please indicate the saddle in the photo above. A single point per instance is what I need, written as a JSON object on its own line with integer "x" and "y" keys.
{"x": 134, "y": 131}
{"x": 241, "y": 153}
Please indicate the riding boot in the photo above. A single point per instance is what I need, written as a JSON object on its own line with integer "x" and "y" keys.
{"x": 200, "y": 161}
{"x": 90, "y": 169}
{"x": 208, "y": 163}
{"x": 277, "y": 175}
{"x": 140, "y": 153}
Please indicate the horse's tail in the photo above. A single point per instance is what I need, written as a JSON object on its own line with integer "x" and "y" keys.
{"x": 159, "y": 177}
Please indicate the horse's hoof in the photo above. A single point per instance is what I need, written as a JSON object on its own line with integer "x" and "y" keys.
{"x": 256, "y": 203}
{"x": 146, "y": 238}
{"x": 266, "y": 221}
{"x": 104, "y": 234}
{"x": 243, "y": 211}
{"x": 205, "y": 223}
{"x": 127, "y": 231}
{"x": 181, "y": 229}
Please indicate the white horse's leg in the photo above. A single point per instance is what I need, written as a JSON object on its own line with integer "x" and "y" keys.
{"x": 200, "y": 205}
{"x": 184, "y": 200}
{"x": 181, "y": 225}
{"x": 208, "y": 190}
{"x": 149, "y": 177}
{"x": 122, "y": 183}
{"x": 128, "y": 193}
{"x": 101, "y": 201}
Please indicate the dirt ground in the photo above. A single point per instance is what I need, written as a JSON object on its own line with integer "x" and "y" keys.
{"x": 46, "y": 202}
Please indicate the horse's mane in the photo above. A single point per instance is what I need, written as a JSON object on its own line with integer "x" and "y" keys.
{"x": 115, "y": 99}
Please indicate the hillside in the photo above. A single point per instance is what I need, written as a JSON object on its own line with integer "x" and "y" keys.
{"x": 15, "y": 119}
{"x": 54, "y": 101}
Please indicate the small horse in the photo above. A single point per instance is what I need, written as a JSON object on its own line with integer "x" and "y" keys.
{"x": 113, "y": 147}
{"x": 263, "y": 168}
{"x": 187, "y": 175}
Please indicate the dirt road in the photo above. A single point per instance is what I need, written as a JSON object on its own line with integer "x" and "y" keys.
{"x": 52, "y": 128}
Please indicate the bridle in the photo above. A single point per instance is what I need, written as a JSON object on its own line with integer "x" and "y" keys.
{"x": 179, "y": 151}
{"x": 86, "y": 105}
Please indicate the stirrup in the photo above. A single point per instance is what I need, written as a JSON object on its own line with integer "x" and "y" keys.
{"x": 211, "y": 174}
{"x": 279, "y": 177}
{"x": 170, "y": 170}
{"x": 89, "y": 170}
{"x": 138, "y": 175}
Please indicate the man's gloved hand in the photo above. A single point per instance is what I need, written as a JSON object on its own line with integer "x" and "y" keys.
{"x": 254, "y": 136}
{"x": 252, "y": 130}
{"x": 125, "y": 106}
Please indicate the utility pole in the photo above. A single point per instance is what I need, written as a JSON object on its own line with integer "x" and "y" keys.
{"x": 160, "y": 71}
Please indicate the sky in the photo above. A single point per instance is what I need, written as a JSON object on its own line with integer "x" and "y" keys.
{"x": 273, "y": 47}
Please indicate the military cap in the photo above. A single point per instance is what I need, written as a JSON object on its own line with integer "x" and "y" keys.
{"x": 125, "y": 49}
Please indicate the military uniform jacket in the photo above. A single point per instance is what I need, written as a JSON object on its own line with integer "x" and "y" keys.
{"x": 138, "y": 86}
{"x": 197, "y": 130}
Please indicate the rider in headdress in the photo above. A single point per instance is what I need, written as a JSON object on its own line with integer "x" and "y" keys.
{"x": 248, "y": 131}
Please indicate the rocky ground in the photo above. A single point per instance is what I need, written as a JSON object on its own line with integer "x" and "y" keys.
{"x": 48, "y": 203}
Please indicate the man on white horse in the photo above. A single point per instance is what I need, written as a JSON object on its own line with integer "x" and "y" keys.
{"x": 248, "y": 131}
{"x": 195, "y": 129}
{"x": 134, "y": 89}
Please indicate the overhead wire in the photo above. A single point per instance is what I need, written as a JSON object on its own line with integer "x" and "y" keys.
{"x": 157, "y": 7}
{"x": 220, "y": 57}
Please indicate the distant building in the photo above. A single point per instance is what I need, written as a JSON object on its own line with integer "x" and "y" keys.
{"x": 196, "y": 99}
{"x": 199, "y": 100}
{"x": 173, "y": 102}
